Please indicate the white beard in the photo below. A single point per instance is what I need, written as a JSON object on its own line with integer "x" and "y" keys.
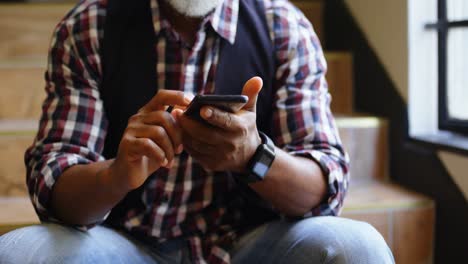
{"x": 194, "y": 8}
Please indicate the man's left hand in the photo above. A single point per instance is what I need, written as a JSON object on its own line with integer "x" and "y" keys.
{"x": 230, "y": 139}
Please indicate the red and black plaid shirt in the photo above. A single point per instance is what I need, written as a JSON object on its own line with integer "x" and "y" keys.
{"x": 73, "y": 124}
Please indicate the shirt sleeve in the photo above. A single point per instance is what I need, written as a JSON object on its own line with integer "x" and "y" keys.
{"x": 73, "y": 125}
{"x": 304, "y": 124}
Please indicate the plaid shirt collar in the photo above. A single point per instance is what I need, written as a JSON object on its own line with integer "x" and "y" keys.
{"x": 223, "y": 20}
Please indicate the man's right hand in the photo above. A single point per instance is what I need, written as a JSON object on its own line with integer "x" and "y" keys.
{"x": 150, "y": 141}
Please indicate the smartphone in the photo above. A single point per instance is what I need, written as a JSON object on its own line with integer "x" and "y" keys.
{"x": 229, "y": 103}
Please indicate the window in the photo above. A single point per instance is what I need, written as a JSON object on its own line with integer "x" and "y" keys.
{"x": 452, "y": 30}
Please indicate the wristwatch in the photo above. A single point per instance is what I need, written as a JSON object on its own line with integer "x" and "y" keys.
{"x": 260, "y": 163}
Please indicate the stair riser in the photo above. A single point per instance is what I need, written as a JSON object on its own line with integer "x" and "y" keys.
{"x": 408, "y": 232}
{"x": 12, "y": 171}
{"x": 368, "y": 150}
{"x": 314, "y": 12}
{"x": 22, "y": 93}
{"x": 27, "y": 29}
{"x": 340, "y": 82}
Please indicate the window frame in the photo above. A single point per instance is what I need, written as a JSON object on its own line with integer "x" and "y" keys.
{"x": 443, "y": 26}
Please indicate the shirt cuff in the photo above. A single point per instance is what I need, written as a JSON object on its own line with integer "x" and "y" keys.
{"x": 43, "y": 179}
{"x": 337, "y": 182}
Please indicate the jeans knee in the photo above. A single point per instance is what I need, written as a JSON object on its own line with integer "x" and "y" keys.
{"x": 368, "y": 245}
{"x": 35, "y": 244}
{"x": 338, "y": 240}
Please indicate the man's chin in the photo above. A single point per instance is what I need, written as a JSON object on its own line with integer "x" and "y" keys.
{"x": 194, "y": 8}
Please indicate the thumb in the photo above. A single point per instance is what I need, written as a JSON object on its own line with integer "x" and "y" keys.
{"x": 251, "y": 89}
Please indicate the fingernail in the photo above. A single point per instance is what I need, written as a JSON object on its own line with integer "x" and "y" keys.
{"x": 164, "y": 162}
{"x": 176, "y": 113}
{"x": 171, "y": 164}
{"x": 188, "y": 97}
{"x": 208, "y": 112}
{"x": 179, "y": 149}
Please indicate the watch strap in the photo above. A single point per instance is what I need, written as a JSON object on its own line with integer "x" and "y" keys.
{"x": 260, "y": 163}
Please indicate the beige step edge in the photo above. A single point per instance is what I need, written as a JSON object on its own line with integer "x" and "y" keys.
{"x": 337, "y": 55}
{"x": 377, "y": 196}
{"x": 18, "y": 127}
{"x": 41, "y": 3}
{"x": 39, "y": 62}
{"x": 359, "y": 121}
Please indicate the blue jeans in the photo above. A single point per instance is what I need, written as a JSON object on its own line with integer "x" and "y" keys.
{"x": 313, "y": 240}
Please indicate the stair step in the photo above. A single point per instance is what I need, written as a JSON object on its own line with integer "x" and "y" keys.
{"x": 15, "y": 137}
{"x": 27, "y": 28}
{"x": 404, "y": 218}
{"x": 313, "y": 10}
{"x": 366, "y": 141}
{"x": 340, "y": 81}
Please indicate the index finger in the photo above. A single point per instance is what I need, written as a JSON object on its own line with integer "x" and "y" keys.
{"x": 165, "y": 98}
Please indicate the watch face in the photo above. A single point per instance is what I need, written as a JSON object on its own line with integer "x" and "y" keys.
{"x": 261, "y": 162}
{"x": 260, "y": 169}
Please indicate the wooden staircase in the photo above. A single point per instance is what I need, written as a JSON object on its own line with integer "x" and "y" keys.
{"x": 404, "y": 218}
